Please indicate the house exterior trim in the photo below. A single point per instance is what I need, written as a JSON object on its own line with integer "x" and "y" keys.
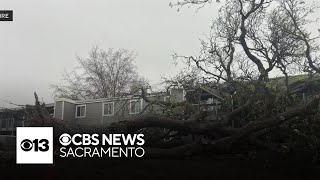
{"x": 85, "y": 110}
{"x": 136, "y": 100}
{"x": 62, "y": 110}
{"x": 103, "y": 105}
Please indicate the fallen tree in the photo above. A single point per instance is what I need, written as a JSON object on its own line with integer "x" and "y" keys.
{"x": 220, "y": 138}
{"x": 249, "y": 40}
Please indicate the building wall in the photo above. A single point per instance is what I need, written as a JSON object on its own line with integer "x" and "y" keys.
{"x": 69, "y": 111}
{"x": 94, "y": 110}
{"x": 121, "y": 111}
{"x": 58, "y": 110}
{"x": 93, "y": 114}
{"x": 10, "y": 119}
{"x": 176, "y": 95}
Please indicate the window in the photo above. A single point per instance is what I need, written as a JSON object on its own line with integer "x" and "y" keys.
{"x": 184, "y": 95}
{"x": 10, "y": 123}
{"x": 80, "y": 111}
{"x": 108, "y": 109}
{"x": 166, "y": 99}
{"x": 135, "y": 106}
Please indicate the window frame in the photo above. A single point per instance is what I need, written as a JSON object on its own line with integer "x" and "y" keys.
{"x": 135, "y": 100}
{"x": 103, "y": 108}
{"x": 85, "y": 111}
{"x": 166, "y": 98}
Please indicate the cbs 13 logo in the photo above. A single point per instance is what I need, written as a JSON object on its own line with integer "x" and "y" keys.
{"x": 36, "y": 144}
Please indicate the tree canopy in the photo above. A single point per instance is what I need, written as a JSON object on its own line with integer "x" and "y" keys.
{"x": 104, "y": 74}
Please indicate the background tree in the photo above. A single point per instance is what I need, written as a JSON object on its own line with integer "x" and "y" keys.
{"x": 105, "y": 73}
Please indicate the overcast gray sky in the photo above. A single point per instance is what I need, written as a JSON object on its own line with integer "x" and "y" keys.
{"x": 46, "y": 35}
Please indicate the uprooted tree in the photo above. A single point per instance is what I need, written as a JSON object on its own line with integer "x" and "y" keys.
{"x": 249, "y": 40}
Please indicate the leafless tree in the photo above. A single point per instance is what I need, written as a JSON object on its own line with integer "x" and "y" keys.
{"x": 272, "y": 34}
{"x": 103, "y": 74}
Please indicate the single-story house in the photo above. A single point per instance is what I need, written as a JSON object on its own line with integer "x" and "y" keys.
{"x": 108, "y": 110}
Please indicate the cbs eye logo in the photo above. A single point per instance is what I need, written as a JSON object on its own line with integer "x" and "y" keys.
{"x": 65, "y": 139}
{"x": 38, "y": 145}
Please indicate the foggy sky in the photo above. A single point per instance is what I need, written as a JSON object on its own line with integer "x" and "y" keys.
{"x": 47, "y": 35}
